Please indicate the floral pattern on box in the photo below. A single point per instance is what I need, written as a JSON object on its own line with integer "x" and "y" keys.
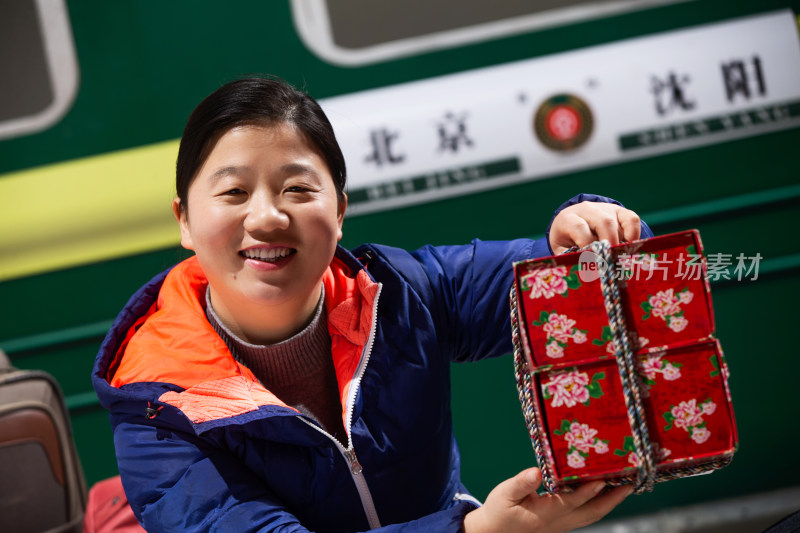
{"x": 629, "y": 451}
{"x": 670, "y": 300}
{"x": 561, "y": 326}
{"x": 579, "y": 420}
{"x": 628, "y": 264}
{"x": 692, "y": 415}
{"x": 546, "y": 282}
{"x": 607, "y": 341}
{"x": 688, "y": 415}
{"x": 587, "y": 394}
{"x": 560, "y": 330}
{"x": 581, "y": 439}
{"x": 654, "y": 365}
{"x": 666, "y": 305}
{"x": 571, "y": 387}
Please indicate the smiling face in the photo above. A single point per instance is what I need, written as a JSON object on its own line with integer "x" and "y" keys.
{"x": 263, "y": 217}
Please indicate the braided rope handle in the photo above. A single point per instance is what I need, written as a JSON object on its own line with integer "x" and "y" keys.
{"x": 525, "y": 390}
{"x": 626, "y": 365}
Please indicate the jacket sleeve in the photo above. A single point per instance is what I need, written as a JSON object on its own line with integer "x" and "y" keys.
{"x": 194, "y": 487}
{"x": 465, "y": 292}
{"x": 466, "y": 288}
{"x": 176, "y": 483}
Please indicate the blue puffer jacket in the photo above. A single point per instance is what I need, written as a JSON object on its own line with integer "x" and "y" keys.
{"x": 203, "y": 446}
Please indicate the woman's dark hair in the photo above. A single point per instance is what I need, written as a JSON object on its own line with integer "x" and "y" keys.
{"x": 255, "y": 101}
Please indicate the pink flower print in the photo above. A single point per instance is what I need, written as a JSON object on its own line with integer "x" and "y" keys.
{"x": 626, "y": 263}
{"x": 559, "y": 330}
{"x": 610, "y": 348}
{"x": 581, "y": 440}
{"x": 670, "y": 372}
{"x": 647, "y": 262}
{"x": 559, "y": 327}
{"x": 638, "y": 342}
{"x": 651, "y": 365}
{"x": 554, "y": 350}
{"x": 687, "y": 414}
{"x": 568, "y": 388}
{"x": 600, "y": 446}
{"x": 575, "y": 459}
{"x": 633, "y": 459}
{"x": 547, "y": 282}
{"x": 664, "y": 303}
{"x": 677, "y": 323}
{"x": 700, "y": 435}
{"x": 667, "y": 306}
{"x": 580, "y": 436}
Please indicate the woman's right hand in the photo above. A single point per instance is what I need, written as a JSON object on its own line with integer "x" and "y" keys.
{"x": 514, "y": 506}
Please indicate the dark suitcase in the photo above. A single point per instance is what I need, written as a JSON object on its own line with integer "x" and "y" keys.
{"x": 42, "y": 487}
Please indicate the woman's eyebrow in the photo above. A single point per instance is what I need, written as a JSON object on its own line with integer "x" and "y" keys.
{"x": 298, "y": 168}
{"x": 230, "y": 170}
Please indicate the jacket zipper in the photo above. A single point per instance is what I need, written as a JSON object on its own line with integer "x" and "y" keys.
{"x": 349, "y": 453}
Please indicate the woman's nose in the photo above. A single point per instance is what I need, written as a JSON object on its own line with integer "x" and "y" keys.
{"x": 265, "y": 214}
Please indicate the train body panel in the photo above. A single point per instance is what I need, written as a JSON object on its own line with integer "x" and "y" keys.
{"x": 686, "y": 111}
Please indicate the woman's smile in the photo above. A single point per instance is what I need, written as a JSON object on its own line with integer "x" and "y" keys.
{"x": 267, "y": 258}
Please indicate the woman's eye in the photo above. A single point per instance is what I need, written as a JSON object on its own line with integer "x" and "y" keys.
{"x": 233, "y": 192}
{"x": 297, "y": 188}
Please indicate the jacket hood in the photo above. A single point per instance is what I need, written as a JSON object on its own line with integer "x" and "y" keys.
{"x": 163, "y": 338}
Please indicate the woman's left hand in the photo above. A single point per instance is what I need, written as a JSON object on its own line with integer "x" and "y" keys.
{"x": 586, "y": 222}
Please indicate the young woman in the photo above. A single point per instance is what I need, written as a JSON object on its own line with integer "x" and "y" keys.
{"x": 277, "y": 382}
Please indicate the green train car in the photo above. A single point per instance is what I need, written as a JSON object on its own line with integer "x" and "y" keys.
{"x": 458, "y": 119}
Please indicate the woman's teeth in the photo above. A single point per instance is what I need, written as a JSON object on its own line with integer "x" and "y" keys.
{"x": 269, "y": 255}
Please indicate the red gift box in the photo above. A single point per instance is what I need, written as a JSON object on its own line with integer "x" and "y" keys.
{"x": 619, "y": 373}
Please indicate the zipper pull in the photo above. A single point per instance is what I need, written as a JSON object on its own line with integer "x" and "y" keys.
{"x": 355, "y": 466}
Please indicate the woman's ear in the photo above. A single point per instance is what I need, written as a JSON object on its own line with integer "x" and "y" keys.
{"x": 341, "y": 209}
{"x": 179, "y": 210}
